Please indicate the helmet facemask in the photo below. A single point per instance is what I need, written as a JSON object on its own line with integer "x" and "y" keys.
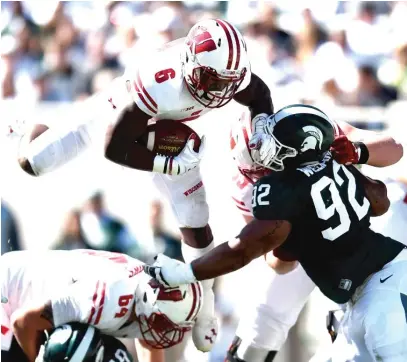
{"x": 160, "y": 332}
{"x": 212, "y": 89}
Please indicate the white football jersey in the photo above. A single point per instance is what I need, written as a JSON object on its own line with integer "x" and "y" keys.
{"x": 85, "y": 286}
{"x": 156, "y": 84}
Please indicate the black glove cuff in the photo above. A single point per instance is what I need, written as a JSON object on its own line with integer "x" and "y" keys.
{"x": 364, "y": 152}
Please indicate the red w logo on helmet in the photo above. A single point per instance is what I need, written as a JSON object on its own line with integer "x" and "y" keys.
{"x": 171, "y": 294}
{"x": 202, "y": 42}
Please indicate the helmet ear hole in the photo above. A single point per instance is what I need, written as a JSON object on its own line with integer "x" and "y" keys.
{"x": 145, "y": 297}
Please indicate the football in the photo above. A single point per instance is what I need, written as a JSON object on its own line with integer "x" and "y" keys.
{"x": 168, "y": 137}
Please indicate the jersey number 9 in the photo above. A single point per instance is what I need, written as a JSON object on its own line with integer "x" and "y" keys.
{"x": 325, "y": 212}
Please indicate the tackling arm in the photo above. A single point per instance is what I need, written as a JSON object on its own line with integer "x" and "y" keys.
{"x": 28, "y": 324}
{"x": 256, "y": 239}
{"x": 383, "y": 150}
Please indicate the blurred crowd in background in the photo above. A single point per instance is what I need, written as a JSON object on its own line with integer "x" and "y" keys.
{"x": 329, "y": 53}
{"x": 347, "y": 53}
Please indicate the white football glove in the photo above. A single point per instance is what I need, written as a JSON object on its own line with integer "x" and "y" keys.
{"x": 259, "y": 123}
{"x": 263, "y": 148}
{"x": 170, "y": 272}
{"x": 187, "y": 160}
{"x": 262, "y": 145}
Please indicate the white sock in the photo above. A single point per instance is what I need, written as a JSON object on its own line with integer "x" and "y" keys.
{"x": 247, "y": 352}
{"x": 189, "y": 253}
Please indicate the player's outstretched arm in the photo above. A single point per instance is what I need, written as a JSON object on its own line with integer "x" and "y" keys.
{"x": 28, "y": 325}
{"x": 381, "y": 150}
{"x": 256, "y": 238}
{"x": 256, "y": 96}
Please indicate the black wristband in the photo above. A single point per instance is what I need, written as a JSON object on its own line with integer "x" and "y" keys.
{"x": 364, "y": 152}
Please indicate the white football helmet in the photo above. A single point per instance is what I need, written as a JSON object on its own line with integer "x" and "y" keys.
{"x": 240, "y": 135}
{"x": 215, "y": 62}
{"x": 165, "y": 314}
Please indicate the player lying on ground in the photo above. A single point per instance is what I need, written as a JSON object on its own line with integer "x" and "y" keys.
{"x": 313, "y": 195}
{"x": 44, "y": 290}
{"x": 182, "y": 81}
{"x": 264, "y": 327}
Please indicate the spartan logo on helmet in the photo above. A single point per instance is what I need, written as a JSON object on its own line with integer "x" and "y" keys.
{"x": 314, "y": 139}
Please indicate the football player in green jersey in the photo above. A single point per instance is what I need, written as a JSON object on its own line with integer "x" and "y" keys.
{"x": 318, "y": 211}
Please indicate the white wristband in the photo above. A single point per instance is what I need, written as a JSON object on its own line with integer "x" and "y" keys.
{"x": 166, "y": 165}
{"x": 189, "y": 274}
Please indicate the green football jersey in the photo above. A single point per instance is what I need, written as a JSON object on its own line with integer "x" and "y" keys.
{"x": 330, "y": 216}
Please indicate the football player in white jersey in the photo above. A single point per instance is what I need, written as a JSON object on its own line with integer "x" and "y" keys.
{"x": 263, "y": 329}
{"x": 44, "y": 290}
{"x": 181, "y": 81}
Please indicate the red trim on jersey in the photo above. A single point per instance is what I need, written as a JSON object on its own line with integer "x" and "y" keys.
{"x": 405, "y": 199}
{"x": 243, "y": 208}
{"x": 143, "y": 99}
{"x": 101, "y": 303}
{"x": 230, "y": 43}
{"x": 237, "y": 44}
{"x": 4, "y": 330}
{"x": 238, "y": 202}
{"x": 232, "y": 141}
{"x": 145, "y": 91}
{"x": 194, "y": 298}
{"x": 95, "y": 295}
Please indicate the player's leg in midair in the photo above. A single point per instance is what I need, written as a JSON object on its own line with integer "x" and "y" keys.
{"x": 187, "y": 196}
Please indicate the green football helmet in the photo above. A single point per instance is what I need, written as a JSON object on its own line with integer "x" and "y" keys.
{"x": 74, "y": 342}
{"x": 302, "y": 135}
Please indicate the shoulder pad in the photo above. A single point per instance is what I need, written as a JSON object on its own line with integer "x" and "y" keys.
{"x": 277, "y": 198}
{"x": 156, "y": 82}
{"x": 140, "y": 84}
